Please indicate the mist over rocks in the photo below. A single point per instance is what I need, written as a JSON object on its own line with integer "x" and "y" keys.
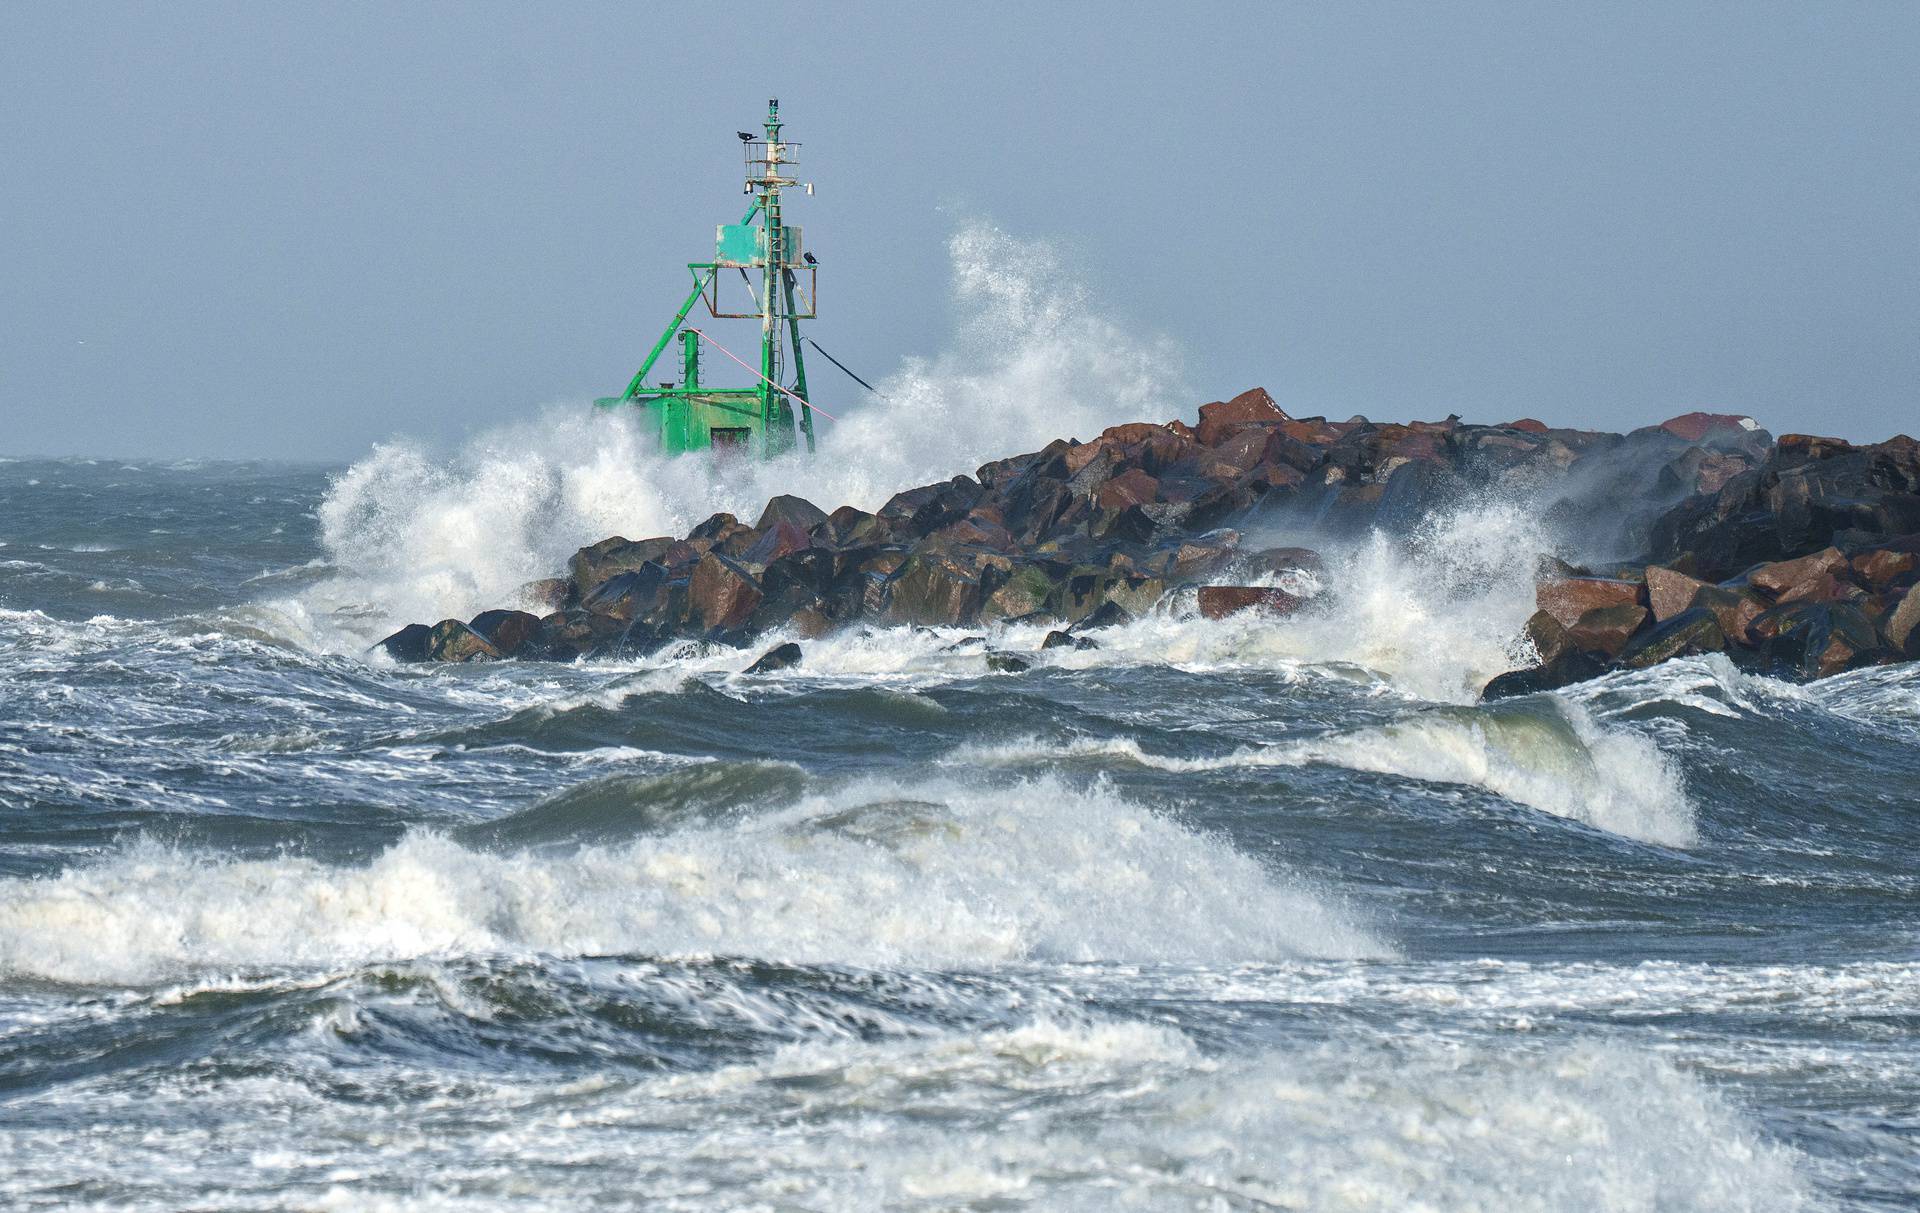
{"x": 1701, "y": 534}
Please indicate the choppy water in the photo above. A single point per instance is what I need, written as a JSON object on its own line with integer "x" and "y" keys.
{"x": 1220, "y": 916}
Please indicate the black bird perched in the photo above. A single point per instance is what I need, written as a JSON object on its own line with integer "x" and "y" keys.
{"x": 744, "y": 137}
{"x": 809, "y": 259}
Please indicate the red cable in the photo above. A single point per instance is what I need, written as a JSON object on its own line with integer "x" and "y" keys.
{"x": 804, "y": 402}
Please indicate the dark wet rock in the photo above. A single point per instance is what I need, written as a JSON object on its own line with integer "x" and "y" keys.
{"x": 507, "y": 631}
{"x": 1008, "y": 663}
{"x": 782, "y": 538}
{"x": 566, "y": 635}
{"x": 722, "y": 592}
{"x": 779, "y": 657}
{"x": 407, "y": 644}
{"x": 935, "y": 589}
{"x": 1106, "y": 615}
{"x": 1564, "y": 670}
{"x": 1220, "y": 601}
{"x": 626, "y": 595}
{"x": 595, "y": 563}
{"x": 1817, "y": 639}
{"x": 1058, "y": 639}
{"x": 964, "y": 644}
{"x": 453, "y": 641}
{"x": 1690, "y": 633}
{"x": 795, "y": 511}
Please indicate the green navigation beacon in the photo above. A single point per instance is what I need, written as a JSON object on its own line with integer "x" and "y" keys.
{"x": 776, "y": 287}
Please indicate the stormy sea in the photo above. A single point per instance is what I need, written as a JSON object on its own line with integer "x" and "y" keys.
{"x": 1235, "y": 914}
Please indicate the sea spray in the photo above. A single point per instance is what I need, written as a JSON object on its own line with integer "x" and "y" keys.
{"x": 419, "y": 535}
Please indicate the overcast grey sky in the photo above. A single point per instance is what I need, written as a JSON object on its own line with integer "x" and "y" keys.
{"x": 292, "y": 230}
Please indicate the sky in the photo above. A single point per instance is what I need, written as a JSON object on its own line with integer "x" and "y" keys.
{"x": 292, "y": 231}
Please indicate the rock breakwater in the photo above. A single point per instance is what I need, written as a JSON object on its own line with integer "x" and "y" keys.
{"x": 1794, "y": 556}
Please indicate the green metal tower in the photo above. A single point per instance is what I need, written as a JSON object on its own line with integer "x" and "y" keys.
{"x": 757, "y": 420}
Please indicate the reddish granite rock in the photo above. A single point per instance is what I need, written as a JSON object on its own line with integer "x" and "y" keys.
{"x": 1218, "y": 419}
{"x": 1883, "y": 566}
{"x": 1220, "y": 601}
{"x": 1606, "y": 629}
{"x": 1568, "y": 598}
{"x": 1733, "y": 609}
{"x": 1131, "y": 487}
{"x": 1670, "y": 592}
{"x": 777, "y": 540}
{"x": 723, "y": 592}
{"x": 1783, "y": 575}
{"x": 1525, "y": 425}
{"x": 1694, "y": 427}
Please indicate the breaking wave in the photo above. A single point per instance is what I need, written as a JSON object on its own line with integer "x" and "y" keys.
{"x": 941, "y": 875}
{"x": 1410, "y": 1126}
{"x": 1544, "y": 753}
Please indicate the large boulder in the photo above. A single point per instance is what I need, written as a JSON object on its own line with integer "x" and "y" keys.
{"x": 1222, "y": 418}
{"x": 1817, "y": 639}
{"x": 935, "y": 589}
{"x": 1569, "y": 598}
{"x": 1691, "y": 632}
{"x": 594, "y": 563}
{"x": 1670, "y": 592}
{"x": 636, "y": 592}
{"x": 453, "y": 641}
{"x": 1026, "y": 591}
{"x": 790, "y": 509}
{"x": 779, "y": 657}
{"x": 1607, "y": 629}
{"x": 1564, "y": 669}
{"x": 1902, "y": 626}
{"x": 566, "y": 635}
{"x": 407, "y": 644}
{"x": 722, "y": 592}
{"x": 1780, "y": 578}
{"x": 1220, "y": 601}
{"x": 507, "y": 631}
{"x": 778, "y": 539}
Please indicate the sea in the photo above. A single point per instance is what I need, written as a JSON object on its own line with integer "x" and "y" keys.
{"x": 1247, "y": 914}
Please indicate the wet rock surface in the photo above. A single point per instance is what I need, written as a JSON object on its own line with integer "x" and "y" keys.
{"x": 1796, "y": 557}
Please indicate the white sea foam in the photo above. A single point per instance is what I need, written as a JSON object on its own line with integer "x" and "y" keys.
{"x": 1153, "y": 1124}
{"x": 875, "y": 874}
{"x": 422, "y": 535}
{"x": 1436, "y": 615}
{"x": 1550, "y": 755}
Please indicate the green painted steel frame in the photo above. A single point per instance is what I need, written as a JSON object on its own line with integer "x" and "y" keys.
{"x": 689, "y": 414}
